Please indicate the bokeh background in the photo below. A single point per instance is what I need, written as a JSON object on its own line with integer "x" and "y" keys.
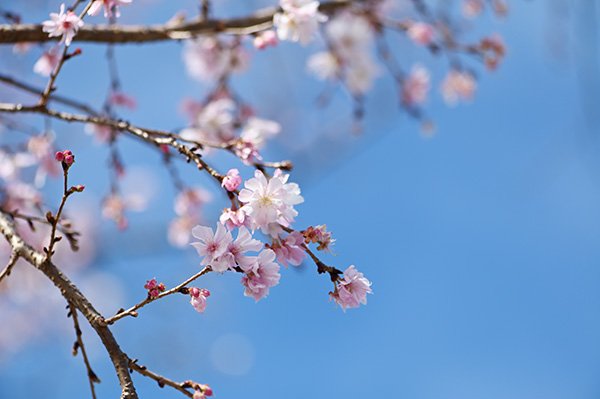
{"x": 481, "y": 241}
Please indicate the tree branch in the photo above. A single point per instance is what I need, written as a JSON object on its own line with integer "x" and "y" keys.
{"x": 132, "y": 311}
{"x": 75, "y": 297}
{"x": 254, "y": 23}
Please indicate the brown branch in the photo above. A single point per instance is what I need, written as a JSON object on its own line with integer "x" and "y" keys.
{"x": 254, "y": 23}
{"x": 132, "y": 311}
{"x": 92, "y": 377}
{"x": 14, "y": 257}
{"x": 73, "y": 295}
{"x": 162, "y": 381}
{"x": 53, "y": 97}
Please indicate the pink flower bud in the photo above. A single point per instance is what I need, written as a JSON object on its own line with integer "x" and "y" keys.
{"x": 232, "y": 180}
{"x": 207, "y": 390}
{"x": 79, "y": 188}
{"x": 59, "y": 156}
{"x": 69, "y": 159}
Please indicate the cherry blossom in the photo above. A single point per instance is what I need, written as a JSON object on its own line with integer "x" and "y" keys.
{"x": 319, "y": 235}
{"x": 270, "y": 202}
{"x": 214, "y": 123}
{"x": 41, "y": 148}
{"x": 421, "y": 33}
{"x": 242, "y": 244}
{"x": 262, "y": 275}
{"x": 198, "y": 298}
{"x": 47, "y": 62}
{"x": 232, "y": 180}
{"x": 289, "y": 249}
{"x": 416, "y": 86}
{"x": 472, "y": 8}
{"x": 299, "y": 21}
{"x": 257, "y": 131}
{"x": 458, "y": 85}
{"x": 207, "y": 58}
{"x": 154, "y": 288}
{"x": 232, "y": 219}
{"x": 212, "y": 245}
{"x": 324, "y": 65}
{"x": 111, "y": 7}
{"x": 115, "y": 205}
{"x": 352, "y": 290}
{"x": 65, "y": 24}
{"x": 122, "y": 100}
{"x": 265, "y": 39}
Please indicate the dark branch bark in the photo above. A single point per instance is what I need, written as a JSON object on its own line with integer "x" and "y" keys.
{"x": 75, "y": 297}
{"x": 141, "y": 34}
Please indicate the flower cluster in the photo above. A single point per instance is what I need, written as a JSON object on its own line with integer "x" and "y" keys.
{"x": 351, "y": 291}
{"x": 154, "y": 288}
{"x": 189, "y": 206}
{"x": 221, "y": 252}
{"x": 298, "y": 21}
{"x": 269, "y": 203}
{"x": 318, "y": 235}
{"x": 64, "y": 24}
{"x": 198, "y": 299}
{"x": 209, "y": 58}
{"x": 349, "y": 57}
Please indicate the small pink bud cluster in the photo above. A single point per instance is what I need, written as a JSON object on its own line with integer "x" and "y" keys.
{"x": 66, "y": 157}
{"x": 154, "y": 288}
{"x": 232, "y": 180}
{"x": 198, "y": 301}
{"x": 79, "y": 188}
{"x": 265, "y": 39}
{"x": 318, "y": 235}
{"x": 202, "y": 391}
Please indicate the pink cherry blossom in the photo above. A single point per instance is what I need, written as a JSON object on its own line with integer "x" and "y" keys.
{"x": 270, "y": 202}
{"x": 290, "y": 250}
{"x": 232, "y": 219}
{"x": 421, "y": 33}
{"x": 154, "y": 288}
{"x": 299, "y": 21}
{"x": 191, "y": 200}
{"x": 319, "y": 235}
{"x": 208, "y": 59}
{"x": 198, "y": 298}
{"x": 212, "y": 245}
{"x": 263, "y": 274}
{"x": 48, "y": 62}
{"x": 65, "y": 24}
{"x": 324, "y": 66}
{"x": 352, "y": 290}
{"x": 123, "y": 100}
{"x": 111, "y": 7}
{"x": 115, "y": 205}
{"x": 242, "y": 244}
{"x": 232, "y": 180}
{"x": 472, "y": 8}
{"x": 458, "y": 85}
{"x": 416, "y": 86}
{"x": 257, "y": 131}
{"x": 265, "y": 39}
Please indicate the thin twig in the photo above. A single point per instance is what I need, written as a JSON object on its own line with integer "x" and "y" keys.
{"x": 92, "y": 377}
{"x": 14, "y": 257}
{"x": 132, "y": 311}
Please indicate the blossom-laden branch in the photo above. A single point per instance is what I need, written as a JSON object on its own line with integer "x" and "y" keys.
{"x": 257, "y": 22}
{"x": 178, "y": 289}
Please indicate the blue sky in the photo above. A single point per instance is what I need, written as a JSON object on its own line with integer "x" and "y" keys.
{"x": 481, "y": 242}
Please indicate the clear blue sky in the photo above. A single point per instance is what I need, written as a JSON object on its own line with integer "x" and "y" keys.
{"x": 481, "y": 242}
